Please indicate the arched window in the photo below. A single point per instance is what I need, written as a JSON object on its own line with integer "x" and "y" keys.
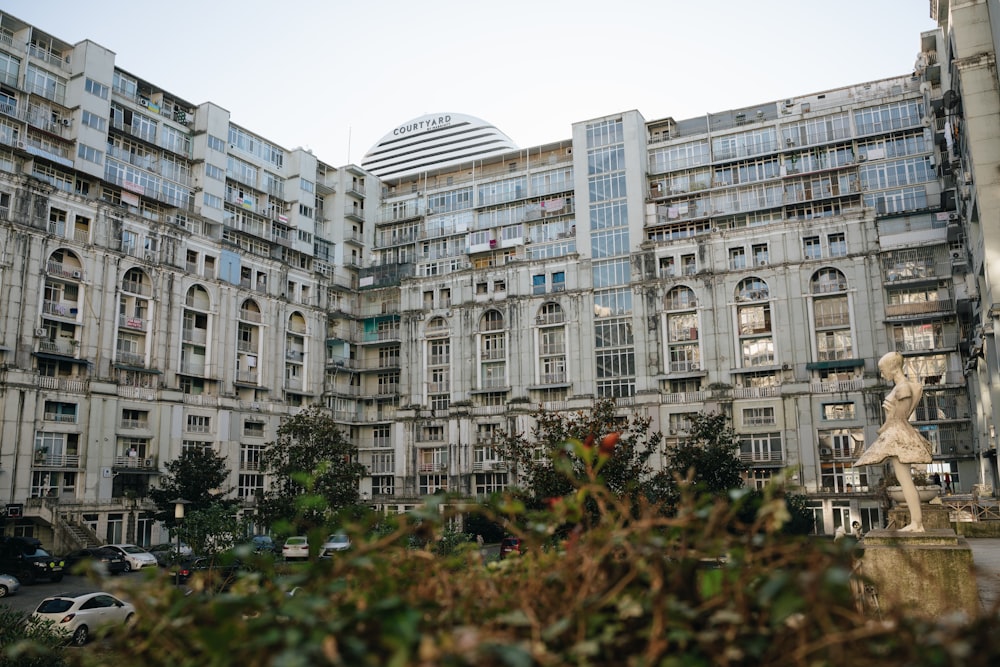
{"x": 752, "y": 289}
{"x": 680, "y": 298}
{"x": 828, "y": 280}
{"x": 550, "y": 313}
{"x": 492, "y": 320}
{"x": 197, "y": 297}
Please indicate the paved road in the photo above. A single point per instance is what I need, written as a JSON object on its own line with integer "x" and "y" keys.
{"x": 986, "y": 558}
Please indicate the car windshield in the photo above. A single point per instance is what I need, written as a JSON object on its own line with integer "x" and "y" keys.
{"x": 339, "y": 539}
{"x": 54, "y": 606}
{"x": 295, "y": 541}
{"x": 133, "y": 550}
{"x": 39, "y": 553}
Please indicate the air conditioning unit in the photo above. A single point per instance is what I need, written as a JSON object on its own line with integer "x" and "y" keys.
{"x": 789, "y": 102}
{"x": 953, "y": 217}
{"x": 77, "y": 275}
{"x": 143, "y": 102}
{"x": 66, "y": 122}
{"x": 789, "y": 141}
{"x": 862, "y": 157}
{"x": 149, "y": 463}
{"x": 825, "y": 452}
{"x": 430, "y": 211}
{"x": 40, "y": 332}
{"x": 21, "y": 145}
{"x": 255, "y": 406}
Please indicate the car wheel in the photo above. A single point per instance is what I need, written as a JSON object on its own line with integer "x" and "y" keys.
{"x": 3, "y": 591}
{"x": 129, "y": 620}
{"x": 128, "y": 567}
{"x": 81, "y": 635}
{"x": 27, "y": 577}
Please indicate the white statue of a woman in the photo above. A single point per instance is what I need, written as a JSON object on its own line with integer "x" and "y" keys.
{"x": 898, "y": 441}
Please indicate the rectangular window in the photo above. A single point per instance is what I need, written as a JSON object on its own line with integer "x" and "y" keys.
{"x": 760, "y": 254}
{"x": 85, "y": 152}
{"x": 811, "y": 248}
{"x": 216, "y": 144}
{"x": 737, "y": 259}
{"x": 837, "y": 244}
{"x": 199, "y": 424}
{"x": 833, "y": 411}
{"x": 758, "y": 416}
{"x": 95, "y": 88}
{"x": 93, "y": 120}
{"x": 383, "y": 485}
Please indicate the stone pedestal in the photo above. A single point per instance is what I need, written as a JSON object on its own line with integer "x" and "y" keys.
{"x": 927, "y": 574}
{"x": 936, "y": 517}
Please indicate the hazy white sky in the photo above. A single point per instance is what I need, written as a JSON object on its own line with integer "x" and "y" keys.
{"x": 336, "y": 76}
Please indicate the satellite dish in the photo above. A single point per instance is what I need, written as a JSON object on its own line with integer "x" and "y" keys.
{"x": 950, "y": 99}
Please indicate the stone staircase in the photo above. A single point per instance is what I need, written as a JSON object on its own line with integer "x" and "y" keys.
{"x": 76, "y": 535}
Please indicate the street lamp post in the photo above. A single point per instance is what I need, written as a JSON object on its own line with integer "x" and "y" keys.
{"x": 179, "y": 504}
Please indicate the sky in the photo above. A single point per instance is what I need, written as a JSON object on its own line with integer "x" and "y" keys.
{"x": 335, "y": 76}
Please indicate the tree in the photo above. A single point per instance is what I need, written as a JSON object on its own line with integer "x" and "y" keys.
{"x": 624, "y": 473}
{"x": 198, "y": 476}
{"x": 313, "y": 469}
{"x": 709, "y": 455}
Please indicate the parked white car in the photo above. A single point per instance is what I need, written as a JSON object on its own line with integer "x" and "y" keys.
{"x": 79, "y": 615}
{"x": 135, "y": 557}
{"x": 295, "y": 547}
{"x": 8, "y": 585}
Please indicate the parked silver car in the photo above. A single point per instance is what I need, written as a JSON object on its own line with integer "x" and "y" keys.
{"x": 8, "y": 585}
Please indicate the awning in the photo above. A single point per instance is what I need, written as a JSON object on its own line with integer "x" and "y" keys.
{"x": 60, "y": 357}
{"x": 839, "y": 363}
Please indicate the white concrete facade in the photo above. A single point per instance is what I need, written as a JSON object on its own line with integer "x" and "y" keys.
{"x": 171, "y": 280}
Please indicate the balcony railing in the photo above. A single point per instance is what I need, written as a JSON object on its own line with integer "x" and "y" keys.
{"x": 70, "y": 386}
{"x": 133, "y": 423}
{"x": 148, "y": 462}
{"x": 761, "y": 457}
{"x": 60, "y": 417}
{"x": 131, "y": 359}
{"x": 247, "y": 377}
{"x": 57, "y": 460}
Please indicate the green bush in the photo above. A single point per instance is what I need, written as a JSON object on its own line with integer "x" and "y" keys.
{"x": 27, "y": 644}
{"x": 626, "y": 585}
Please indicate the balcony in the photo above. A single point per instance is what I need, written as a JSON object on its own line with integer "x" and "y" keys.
{"x": 193, "y": 368}
{"x": 432, "y": 467}
{"x": 129, "y": 424}
{"x": 140, "y": 463}
{"x": 60, "y": 270}
{"x": 756, "y": 458}
{"x": 60, "y": 417}
{"x": 493, "y": 355}
{"x": 194, "y": 335}
{"x": 438, "y": 387}
{"x": 64, "y": 311}
{"x": 63, "y": 347}
{"x": 131, "y": 359}
{"x": 247, "y": 377}
{"x": 249, "y": 315}
{"x": 46, "y": 460}
{"x": 132, "y": 323}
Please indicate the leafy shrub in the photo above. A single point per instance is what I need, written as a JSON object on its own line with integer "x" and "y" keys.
{"x": 627, "y": 585}
{"x": 27, "y": 644}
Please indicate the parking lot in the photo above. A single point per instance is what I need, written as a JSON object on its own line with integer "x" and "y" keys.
{"x": 28, "y": 597}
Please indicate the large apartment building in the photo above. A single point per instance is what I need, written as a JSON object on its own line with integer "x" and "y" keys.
{"x": 169, "y": 279}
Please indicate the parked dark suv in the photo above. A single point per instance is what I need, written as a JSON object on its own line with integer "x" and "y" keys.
{"x": 24, "y": 558}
